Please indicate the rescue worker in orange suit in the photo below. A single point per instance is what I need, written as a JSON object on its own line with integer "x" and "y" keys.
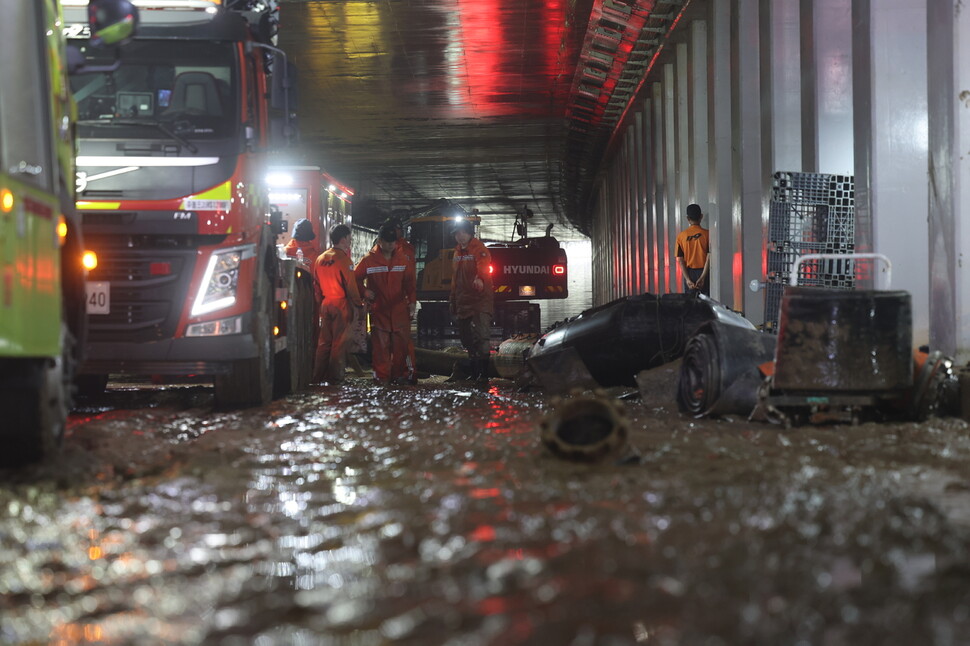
{"x": 471, "y": 298}
{"x": 386, "y": 278}
{"x": 694, "y": 252}
{"x": 408, "y": 249}
{"x": 334, "y": 274}
{"x": 302, "y": 242}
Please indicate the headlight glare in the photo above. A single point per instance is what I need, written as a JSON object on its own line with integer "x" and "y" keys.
{"x": 219, "y": 283}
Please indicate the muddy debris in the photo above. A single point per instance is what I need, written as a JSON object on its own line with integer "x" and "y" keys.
{"x": 434, "y": 514}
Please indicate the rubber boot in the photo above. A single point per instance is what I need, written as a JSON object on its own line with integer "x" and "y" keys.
{"x": 480, "y": 373}
{"x": 460, "y": 371}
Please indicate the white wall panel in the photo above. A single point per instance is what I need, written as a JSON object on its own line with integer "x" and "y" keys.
{"x": 949, "y": 188}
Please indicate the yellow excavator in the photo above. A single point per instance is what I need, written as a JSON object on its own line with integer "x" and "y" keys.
{"x": 523, "y": 270}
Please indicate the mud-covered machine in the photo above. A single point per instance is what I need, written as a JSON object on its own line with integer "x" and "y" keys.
{"x": 523, "y": 270}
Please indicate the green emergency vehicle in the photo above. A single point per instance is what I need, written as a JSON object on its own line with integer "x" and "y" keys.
{"x": 42, "y": 256}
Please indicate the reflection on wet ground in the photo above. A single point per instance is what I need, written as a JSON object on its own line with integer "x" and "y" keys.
{"x": 366, "y": 515}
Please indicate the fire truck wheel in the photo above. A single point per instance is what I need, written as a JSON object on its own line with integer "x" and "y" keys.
{"x": 249, "y": 382}
{"x": 91, "y": 385}
{"x": 35, "y": 398}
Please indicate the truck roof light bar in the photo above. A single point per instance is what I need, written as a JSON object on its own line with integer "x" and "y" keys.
{"x": 204, "y": 5}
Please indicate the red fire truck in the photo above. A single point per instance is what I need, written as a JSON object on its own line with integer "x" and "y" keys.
{"x": 309, "y": 192}
{"x": 173, "y": 154}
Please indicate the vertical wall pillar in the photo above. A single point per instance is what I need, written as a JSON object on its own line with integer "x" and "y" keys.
{"x": 862, "y": 125}
{"x": 750, "y": 176}
{"x": 609, "y": 250}
{"x": 829, "y": 61}
{"x": 896, "y": 155}
{"x": 640, "y": 284}
{"x": 670, "y": 169}
{"x": 809, "y": 74}
{"x": 700, "y": 144}
{"x": 649, "y": 191}
{"x": 616, "y": 211}
{"x": 659, "y": 247}
{"x": 720, "y": 117}
{"x": 621, "y": 176}
{"x": 684, "y": 158}
{"x": 631, "y": 211}
{"x": 597, "y": 271}
{"x": 784, "y": 120}
{"x": 669, "y": 144}
{"x": 948, "y": 75}
{"x": 634, "y": 175}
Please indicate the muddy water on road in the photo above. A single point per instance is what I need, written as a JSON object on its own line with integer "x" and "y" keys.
{"x": 365, "y": 515}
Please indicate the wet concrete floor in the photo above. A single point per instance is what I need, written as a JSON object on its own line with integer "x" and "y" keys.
{"x": 366, "y": 515}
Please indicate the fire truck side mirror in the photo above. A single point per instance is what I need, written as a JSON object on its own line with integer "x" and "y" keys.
{"x": 276, "y": 221}
{"x": 112, "y": 21}
{"x": 283, "y": 94}
{"x": 283, "y": 100}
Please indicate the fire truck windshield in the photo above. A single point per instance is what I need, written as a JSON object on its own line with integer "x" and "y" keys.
{"x": 161, "y": 91}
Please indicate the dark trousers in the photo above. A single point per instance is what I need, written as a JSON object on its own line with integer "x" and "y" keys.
{"x": 694, "y": 274}
{"x": 475, "y": 333}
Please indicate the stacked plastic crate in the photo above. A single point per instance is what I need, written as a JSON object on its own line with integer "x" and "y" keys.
{"x": 809, "y": 213}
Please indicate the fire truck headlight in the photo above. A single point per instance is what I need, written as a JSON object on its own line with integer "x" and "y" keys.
{"x": 218, "y": 288}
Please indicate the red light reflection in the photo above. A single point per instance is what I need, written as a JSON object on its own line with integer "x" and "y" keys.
{"x": 483, "y": 534}
{"x": 485, "y": 493}
{"x": 493, "y": 35}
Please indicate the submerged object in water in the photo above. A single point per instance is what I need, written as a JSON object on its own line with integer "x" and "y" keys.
{"x": 509, "y": 359}
{"x": 585, "y": 428}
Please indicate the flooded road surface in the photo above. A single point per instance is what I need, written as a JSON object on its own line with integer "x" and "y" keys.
{"x": 366, "y": 515}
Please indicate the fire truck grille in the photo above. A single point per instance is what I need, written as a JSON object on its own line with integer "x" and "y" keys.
{"x": 147, "y": 292}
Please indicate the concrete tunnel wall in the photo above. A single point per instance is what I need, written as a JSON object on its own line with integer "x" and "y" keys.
{"x": 875, "y": 89}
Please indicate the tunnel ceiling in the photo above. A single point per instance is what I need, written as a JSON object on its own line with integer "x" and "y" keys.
{"x": 496, "y": 105}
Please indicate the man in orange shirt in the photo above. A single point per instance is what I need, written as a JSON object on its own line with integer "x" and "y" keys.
{"x": 341, "y": 303}
{"x": 694, "y": 252}
{"x": 386, "y": 278}
{"x": 471, "y": 298}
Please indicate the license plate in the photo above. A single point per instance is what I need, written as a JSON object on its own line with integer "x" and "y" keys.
{"x": 98, "y": 297}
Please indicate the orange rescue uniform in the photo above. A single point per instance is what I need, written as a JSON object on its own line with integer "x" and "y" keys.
{"x": 309, "y": 247}
{"x": 393, "y": 282}
{"x": 469, "y": 263}
{"x": 338, "y": 288}
{"x": 408, "y": 250}
{"x": 473, "y": 307}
